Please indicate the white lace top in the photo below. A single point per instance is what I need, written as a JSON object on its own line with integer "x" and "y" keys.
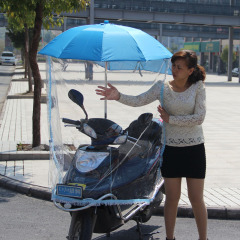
{"x": 186, "y": 109}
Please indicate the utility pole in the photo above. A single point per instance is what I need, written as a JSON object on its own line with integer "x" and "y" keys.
{"x": 230, "y": 53}
{"x": 230, "y": 48}
{"x": 92, "y": 12}
{"x": 239, "y": 63}
{"x": 160, "y": 35}
{"x": 89, "y": 65}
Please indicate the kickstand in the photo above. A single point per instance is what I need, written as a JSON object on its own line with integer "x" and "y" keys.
{"x": 139, "y": 230}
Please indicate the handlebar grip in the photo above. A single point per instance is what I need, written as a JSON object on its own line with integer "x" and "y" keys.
{"x": 132, "y": 139}
{"x": 70, "y": 121}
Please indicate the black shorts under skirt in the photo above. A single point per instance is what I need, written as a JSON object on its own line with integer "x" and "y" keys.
{"x": 189, "y": 162}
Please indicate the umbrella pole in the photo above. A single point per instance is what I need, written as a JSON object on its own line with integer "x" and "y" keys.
{"x": 105, "y": 101}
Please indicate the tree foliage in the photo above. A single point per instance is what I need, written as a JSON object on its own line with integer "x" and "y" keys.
{"x": 18, "y": 13}
{"x": 24, "y": 11}
{"x": 17, "y": 38}
{"x": 35, "y": 13}
{"x": 224, "y": 55}
{"x": 48, "y": 36}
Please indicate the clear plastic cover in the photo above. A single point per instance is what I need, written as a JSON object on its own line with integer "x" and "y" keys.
{"x": 120, "y": 165}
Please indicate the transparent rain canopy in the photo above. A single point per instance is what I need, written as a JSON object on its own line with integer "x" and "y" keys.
{"x": 119, "y": 155}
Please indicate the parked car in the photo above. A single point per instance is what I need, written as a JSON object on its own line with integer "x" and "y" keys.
{"x": 8, "y": 57}
{"x": 235, "y": 72}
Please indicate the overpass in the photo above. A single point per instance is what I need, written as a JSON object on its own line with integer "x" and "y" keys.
{"x": 171, "y": 12}
{"x": 193, "y": 18}
{"x": 222, "y": 13}
{"x": 168, "y": 18}
{"x": 166, "y": 30}
{"x": 187, "y": 18}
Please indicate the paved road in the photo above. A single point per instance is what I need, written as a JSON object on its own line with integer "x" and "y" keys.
{"x": 6, "y": 73}
{"x": 24, "y": 217}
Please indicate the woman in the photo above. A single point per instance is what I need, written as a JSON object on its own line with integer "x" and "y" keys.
{"x": 183, "y": 112}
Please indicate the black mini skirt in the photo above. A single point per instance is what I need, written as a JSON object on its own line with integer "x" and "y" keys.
{"x": 189, "y": 162}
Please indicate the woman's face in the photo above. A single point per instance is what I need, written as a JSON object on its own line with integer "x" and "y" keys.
{"x": 180, "y": 70}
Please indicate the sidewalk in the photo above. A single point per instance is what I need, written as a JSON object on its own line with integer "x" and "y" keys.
{"x": 27, "y": 172}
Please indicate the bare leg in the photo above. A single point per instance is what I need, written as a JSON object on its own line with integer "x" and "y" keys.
{"x": 173, "y": 193}
{"x": 195, "y": 194}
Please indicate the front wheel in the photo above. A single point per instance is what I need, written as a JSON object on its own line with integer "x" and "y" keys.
{"x": 82, "y": 225}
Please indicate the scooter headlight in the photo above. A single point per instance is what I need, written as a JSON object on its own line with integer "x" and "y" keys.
{"x": 88, "y": 161}
{"x": 89, "y": 131}
{"x": 121, "y": 139}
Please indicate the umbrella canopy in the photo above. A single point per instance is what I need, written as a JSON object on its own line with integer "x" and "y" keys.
{"x": 114, "y": 47}
{"x": 107, "y": 42}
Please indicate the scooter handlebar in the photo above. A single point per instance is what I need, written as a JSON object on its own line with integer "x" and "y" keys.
{"x": 70, "y": 121}
{"x": 132, "y": 139}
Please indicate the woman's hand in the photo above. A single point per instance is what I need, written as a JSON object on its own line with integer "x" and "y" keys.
{"x": 163, "y": 114}
{"x": 110, "y": 93}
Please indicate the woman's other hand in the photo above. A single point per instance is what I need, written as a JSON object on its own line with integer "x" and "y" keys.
{"x": 110, "y": 93}
{"x": 163, "y": 114}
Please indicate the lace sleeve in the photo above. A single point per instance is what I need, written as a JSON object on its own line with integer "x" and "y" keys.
{"x": 143, "y": 99}
{"x": 199, "y": 110}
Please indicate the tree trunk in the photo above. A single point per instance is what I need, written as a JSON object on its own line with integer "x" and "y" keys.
{"x": 36, "y": 118}
{"x": 23, "y": 54}
{"x": 27, "y": 65}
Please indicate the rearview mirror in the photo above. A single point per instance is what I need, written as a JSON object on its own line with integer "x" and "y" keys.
{"x": 77, "y": 97}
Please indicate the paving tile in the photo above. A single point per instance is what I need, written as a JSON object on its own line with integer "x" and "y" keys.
{"x": 3, "y": 167}
{"x": 222, "y": 137}
{"x": 233, "y": 196}
{"x": 218, "y": 197}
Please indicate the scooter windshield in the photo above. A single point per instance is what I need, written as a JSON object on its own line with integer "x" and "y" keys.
{"x": 97, "y": 160}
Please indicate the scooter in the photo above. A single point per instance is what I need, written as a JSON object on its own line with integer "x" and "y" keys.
{"x": 114, "y": 179}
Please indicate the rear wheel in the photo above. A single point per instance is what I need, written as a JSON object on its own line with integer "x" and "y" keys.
{"x": 82, "y": 225}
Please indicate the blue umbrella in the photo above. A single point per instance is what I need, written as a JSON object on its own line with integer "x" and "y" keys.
{"x": 114, "y": 47}
{"x": 106, "y": 42}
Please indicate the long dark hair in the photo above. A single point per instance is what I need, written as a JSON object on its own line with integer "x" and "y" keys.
{"x": 190, "y": 58}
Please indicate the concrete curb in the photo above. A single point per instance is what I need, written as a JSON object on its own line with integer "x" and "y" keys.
{"x": 27, "y": 96}
{"x": 183, "y": 211}
{"x": 24, "y": 155}
{"x": 25, "y": 188}
{"x": 213, "y": 212}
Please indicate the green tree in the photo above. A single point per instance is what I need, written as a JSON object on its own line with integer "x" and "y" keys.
{"x": 48, "y": 36}
{"x": 20, "y": 39}
{"x": 20, "y": 20}
{"x": 2, "y": 39}
{"x": 174, "y": 48}
{"x": 38, "y": 13}
{"x": 224, "y": 55}
{"x": 17, "y": 38}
